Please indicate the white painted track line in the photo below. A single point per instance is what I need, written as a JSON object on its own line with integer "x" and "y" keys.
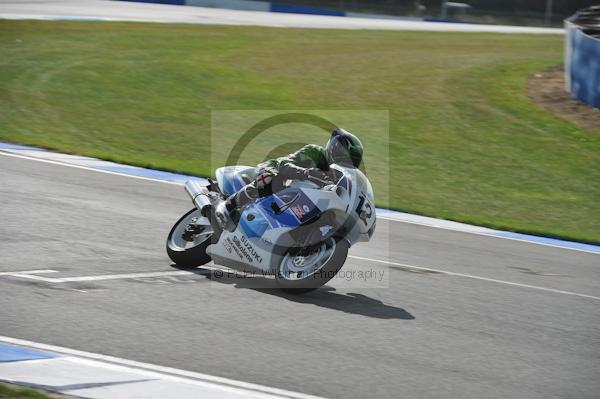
{"x": 493, "y": 280}
{"x": 126, "y": 276}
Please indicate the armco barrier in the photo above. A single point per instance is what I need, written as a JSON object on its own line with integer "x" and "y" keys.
{"x": 582, "y": 56}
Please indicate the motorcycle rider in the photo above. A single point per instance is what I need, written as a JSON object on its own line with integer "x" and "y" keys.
{"x": 310, "y": 162}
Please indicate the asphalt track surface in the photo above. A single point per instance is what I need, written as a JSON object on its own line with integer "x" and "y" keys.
{"x": 422, "y": 334}
{"x": 130, "y": 11}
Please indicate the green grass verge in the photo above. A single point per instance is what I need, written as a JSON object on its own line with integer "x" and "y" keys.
{"x": 465, "y": 142}
{"x": 12, "y": 392}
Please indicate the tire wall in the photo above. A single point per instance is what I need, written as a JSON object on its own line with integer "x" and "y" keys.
{"x": 582, "y": 64}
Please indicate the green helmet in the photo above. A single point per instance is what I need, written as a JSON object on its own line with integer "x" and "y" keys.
{"x": 344, "y": 148}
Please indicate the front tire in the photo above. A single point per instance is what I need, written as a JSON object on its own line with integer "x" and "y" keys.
{"x": 189, "y": 254}
{"x": 322, "y": 264}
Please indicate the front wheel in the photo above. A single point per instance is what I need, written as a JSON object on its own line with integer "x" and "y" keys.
{"x": 190, "y": 253}
{"x": 308, "y": 269}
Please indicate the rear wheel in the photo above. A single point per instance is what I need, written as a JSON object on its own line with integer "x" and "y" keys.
{"x": 305, "y": 270}
{"x": 190, "y": 252}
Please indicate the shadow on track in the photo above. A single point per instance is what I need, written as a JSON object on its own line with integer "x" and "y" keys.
{"x": 324, "y": 297}
{"x": 351, "y": 302}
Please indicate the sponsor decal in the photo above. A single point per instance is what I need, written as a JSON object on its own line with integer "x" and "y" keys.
{"x": 244, "y": 249}
{"x": 269, "y": 242}
{"x": 303, "y": 208}
{"x": 298, "y": 211}
{"x": 251, "y": 249}
{"x": 232, "y": 245}
{"x": 227, "y": 245}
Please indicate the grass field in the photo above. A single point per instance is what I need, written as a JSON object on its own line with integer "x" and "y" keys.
{"x": 465, "y": 142}
{"x": 14, "y": 392}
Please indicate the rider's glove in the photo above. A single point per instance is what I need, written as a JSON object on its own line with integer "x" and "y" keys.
{"x": 317, "y": 176}
{"x": 291, "y": 171}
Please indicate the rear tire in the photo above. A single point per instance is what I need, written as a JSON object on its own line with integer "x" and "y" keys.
{"x": 193, "y": 254}
{"x": 320, "y": 277}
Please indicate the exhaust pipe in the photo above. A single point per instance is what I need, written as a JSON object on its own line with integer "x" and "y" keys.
{"x": 198, "y": 194}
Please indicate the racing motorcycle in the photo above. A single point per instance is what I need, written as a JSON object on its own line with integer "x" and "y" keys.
{"x": 300, "y": 234}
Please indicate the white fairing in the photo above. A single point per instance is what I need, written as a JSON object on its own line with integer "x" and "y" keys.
{"x": 362, "y": 205}
{"x": 236, "y": 250}
{"x": 262, "y": 232}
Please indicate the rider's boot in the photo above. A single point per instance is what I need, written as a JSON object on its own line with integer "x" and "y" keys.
{"x": 226, "y": 214}
{"x": 222, "y": 215}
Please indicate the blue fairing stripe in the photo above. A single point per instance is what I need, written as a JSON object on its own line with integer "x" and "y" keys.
{"x": 258, "y": 225}
{"x": 286, "y": 219}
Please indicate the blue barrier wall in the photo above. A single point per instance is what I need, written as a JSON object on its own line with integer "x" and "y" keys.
{"x": 250, "y": 5}
{"x": 582, "y": 65}
{"x": 298, "y": 9}
{"x": 172, "y": 2}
